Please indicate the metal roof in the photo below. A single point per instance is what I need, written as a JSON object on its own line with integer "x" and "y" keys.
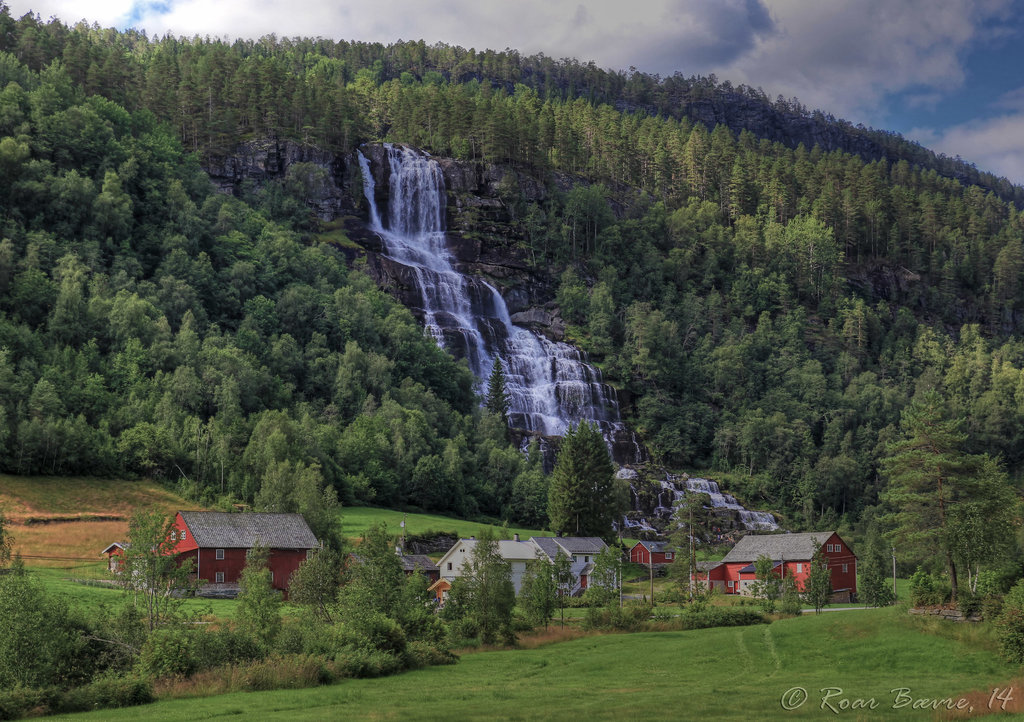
{"x": 243, "y": 531}
{"x": 788, "y": 547}
{"x": 569, "y": 544}
{"x": 654, "y": 546}
{"x": 412, "y": 562}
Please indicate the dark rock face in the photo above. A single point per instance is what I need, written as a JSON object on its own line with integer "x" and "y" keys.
{"x": 262, "y": 161}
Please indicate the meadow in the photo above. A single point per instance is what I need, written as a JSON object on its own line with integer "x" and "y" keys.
{"x": 848, "y": 661}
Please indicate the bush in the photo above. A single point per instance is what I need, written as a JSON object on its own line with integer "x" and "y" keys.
{"x": 23, "y": 701}
{"x": 927, "y": 589}
{"x": 107, "y": 692}
{"x": 169, "y": 653}
{"x": 1010, "y": 624}
{"x": 720, "y": 617}
{"x": 991, "y": 607}
{"x": 363, "y": 662}
{"x": 422, "y": 654}
{"x": 293, "y": 671}
{"x": 629, "y": 618}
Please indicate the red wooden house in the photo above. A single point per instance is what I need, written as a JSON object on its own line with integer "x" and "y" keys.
{"x": 791, "y": 554}
{"x": 220, "y": 541}
{"x": 651, "y": 552}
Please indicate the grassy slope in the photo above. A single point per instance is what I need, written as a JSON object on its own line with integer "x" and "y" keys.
{"x": 735, "y": 673}
{"x": 71, "y": 506}
{"x": 355, "y": 520}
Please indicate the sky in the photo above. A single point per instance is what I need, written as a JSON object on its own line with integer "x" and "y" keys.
{"x": 946, "y": 73}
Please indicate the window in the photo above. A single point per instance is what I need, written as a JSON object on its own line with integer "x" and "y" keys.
{"x": 844, "y": 568}
{"x": 309, "y": 554}
{"x": 730, "y": 585}
{"x": 799, "y": 568}
{"x": 586, "y": 560}
{"x": 220, "y": 554}
{"x": 183, "y": 534}
{"x": 668, "y": 555}
{"x": 449, "y": 566}
{"x": 219, "y": 577}
{"x": 173, "y": 535}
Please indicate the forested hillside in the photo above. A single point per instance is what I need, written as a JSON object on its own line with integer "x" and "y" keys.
{"x": 767, "y": 309}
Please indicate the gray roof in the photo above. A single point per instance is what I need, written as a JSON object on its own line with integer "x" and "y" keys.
{"x": 789, "y": 547}
{"x": 242, "y": 531}
{"x": 412, "y": 562}
{"x": 707, "y": 566}
{"x": 569, "y": 544}
{"x": 654, "y": 546}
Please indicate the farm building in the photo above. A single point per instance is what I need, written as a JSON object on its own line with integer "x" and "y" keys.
{"x": 791, "y": 554}
{"x": 651, "y": 552}
{"x": 219, "y": 543}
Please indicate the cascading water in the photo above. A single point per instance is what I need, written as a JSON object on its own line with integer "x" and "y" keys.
{"x": 675, "y": 488}
{"x": 549, "y": 384}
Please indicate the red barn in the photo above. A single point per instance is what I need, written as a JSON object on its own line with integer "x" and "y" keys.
{"x": 651, "y": 552}
{"x": 792, "y": 555}
{"x": 219, "y": 541}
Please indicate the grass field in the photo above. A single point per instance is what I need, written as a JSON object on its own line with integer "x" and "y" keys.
{"x": 73, "y": 517}
{"x": 733, "y": 673}
{"x": 355, "y": 520}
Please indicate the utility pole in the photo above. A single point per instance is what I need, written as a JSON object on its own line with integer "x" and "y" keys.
{"x": 894, "y": 572}
{"x": 650, "y": 565}
{"x": 693, "y": 557}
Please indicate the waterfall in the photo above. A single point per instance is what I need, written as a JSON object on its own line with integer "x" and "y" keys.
{"x": 674, "y": 489}
{"x": 550, "y": 385}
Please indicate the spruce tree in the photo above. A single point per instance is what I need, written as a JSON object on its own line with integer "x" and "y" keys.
{"x": 582, "y": 499}
{"x": 497, "y": 394}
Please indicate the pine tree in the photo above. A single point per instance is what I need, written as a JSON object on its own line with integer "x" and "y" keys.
{"x": 497, "y": 394}
{"x": 874, "y": 587}
{"x": 583, "y": 500}
{"x": 927, "y": 474}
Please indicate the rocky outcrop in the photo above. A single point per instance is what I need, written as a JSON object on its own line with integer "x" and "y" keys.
{"x": 321, "y": 175}
{"x": 949, "y": 614}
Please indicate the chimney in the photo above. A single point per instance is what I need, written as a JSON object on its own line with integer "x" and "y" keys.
{"x": 515, "y": 537}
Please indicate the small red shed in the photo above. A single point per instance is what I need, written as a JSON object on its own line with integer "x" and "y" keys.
{"x": 651, "y": 552}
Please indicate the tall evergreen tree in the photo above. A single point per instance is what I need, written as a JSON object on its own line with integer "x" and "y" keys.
{"x": 927, "y": 472}
{"x": 583, "y": 500}
{"x": 497, "y": 394}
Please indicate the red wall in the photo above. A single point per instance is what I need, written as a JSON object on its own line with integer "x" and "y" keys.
{"x": 639, "y": 555}
{"x": 836, "y": 559}
{"x": 283, "y": 562}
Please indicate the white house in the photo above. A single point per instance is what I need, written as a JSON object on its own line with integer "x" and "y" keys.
{"x": 580, "y": 551}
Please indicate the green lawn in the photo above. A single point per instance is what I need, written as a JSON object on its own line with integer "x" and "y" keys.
{"x": 355, "y": 520}
{"x": 66, "y": 584}
{"x": 732, "y": 673}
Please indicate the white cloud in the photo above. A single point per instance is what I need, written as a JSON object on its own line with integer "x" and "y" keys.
{"x": 847, "y": 56}
{"x": 995, "y": 145}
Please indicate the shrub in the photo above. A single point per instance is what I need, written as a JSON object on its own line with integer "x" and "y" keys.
{"x": 625, "y": 619}
{"x": 107, "y": 692}
{"x": 720, "y": 617}
{"x": 926, "y": 589}
{"x": 422, "y": 654}
{"x": 23, "y": 701}
{"x": 363, "y": 662}
{"x": 1010, "y": 624}
{"x": 169, "y": 653}
{"x": 294, "y": 671}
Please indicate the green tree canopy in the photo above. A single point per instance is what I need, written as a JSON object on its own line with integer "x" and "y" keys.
{"x": 583, "y": 499}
